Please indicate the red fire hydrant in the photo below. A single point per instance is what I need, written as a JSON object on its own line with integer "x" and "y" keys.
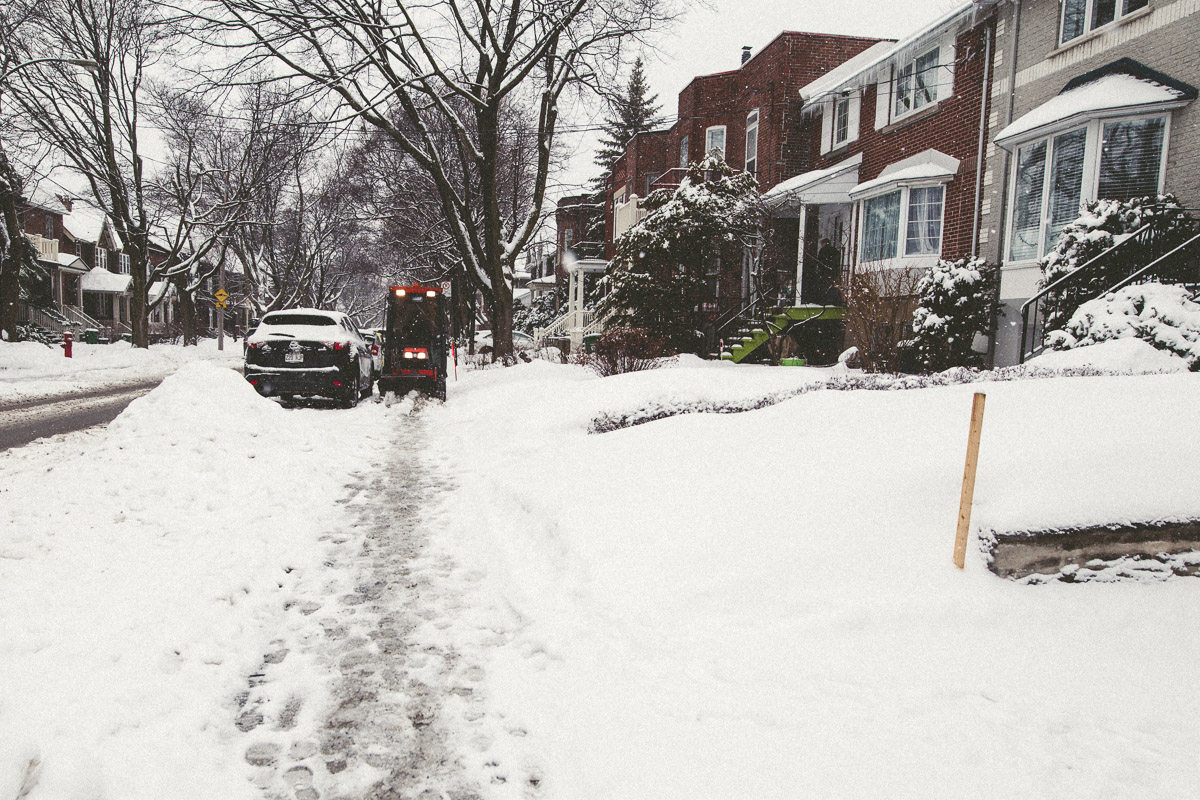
{"x": 66, "y": 344}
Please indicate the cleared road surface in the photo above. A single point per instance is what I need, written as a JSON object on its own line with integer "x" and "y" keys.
{"x": 24, "y": 421}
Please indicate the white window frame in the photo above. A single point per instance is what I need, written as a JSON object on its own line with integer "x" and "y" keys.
{"x": 123, "y": 263}
{"x": 902, "y": 258}
{"x": 1091, "y": 172}
{"x": 932, "y": 79}
{"x": 101, "y": 256}
{"x": 709, "y": 135}
{"x": 943, "y": 82}
{"x": 1119, "y": 13}
{"x": 752, "y": 142}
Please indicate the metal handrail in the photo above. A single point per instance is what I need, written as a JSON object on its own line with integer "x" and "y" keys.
{"x": 1133, "y": 278}
{"x": 1143, "y": 235}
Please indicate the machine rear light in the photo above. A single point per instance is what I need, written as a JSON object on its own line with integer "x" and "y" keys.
{"x": 416, "y": 352}
{"x": 431, "y": 293}
{"x": 400, "y": 293}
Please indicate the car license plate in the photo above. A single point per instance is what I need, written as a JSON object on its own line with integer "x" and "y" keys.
{"x": 293, "y": 358}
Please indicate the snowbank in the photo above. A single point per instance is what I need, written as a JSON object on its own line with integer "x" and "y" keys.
{"x": 143, "y": 572}
{"x": 30, "y": 369}
{"x": 764, "y": 604}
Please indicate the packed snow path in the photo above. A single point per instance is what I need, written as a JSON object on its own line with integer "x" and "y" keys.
{"x": 394, "y": 700}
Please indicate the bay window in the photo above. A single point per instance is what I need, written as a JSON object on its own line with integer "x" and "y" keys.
{"x": 920, "y": 207}
{"x": 1054, "y": 175}
{"x": 1081, "y": 16}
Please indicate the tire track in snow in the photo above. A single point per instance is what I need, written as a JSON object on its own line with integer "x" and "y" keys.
{"x": 384, "y": 731}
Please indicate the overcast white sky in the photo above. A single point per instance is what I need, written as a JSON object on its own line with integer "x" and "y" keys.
{"x": 709, "y": 38}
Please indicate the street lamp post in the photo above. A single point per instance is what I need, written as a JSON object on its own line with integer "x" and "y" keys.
{"x": 11, "y": 257}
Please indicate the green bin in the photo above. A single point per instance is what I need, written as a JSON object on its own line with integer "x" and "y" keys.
{"x": 589, "y": 342}
{"x": 91, "y": 336}
{"x": 792, "y": 362}
{"x": 127, "y": 337}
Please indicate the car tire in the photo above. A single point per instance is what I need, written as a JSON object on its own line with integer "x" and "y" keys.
{"x": 352, "y": 391}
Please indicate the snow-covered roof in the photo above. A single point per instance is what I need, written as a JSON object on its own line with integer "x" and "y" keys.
{"x": 544, "y": 281}
{"x": 861, "y": 69}
{"x": 817, "y": 186}
{"x": 98, "y": 279}
{"x": 46, "y": 201}
{"x": 1120, "y": 89}
{"x": 85, "y": 222}
{"x": 66, "y": 261}
{"x": 931, "y": 165}
{"x": 842, "y": 73}
{"x": 159, "y": 288}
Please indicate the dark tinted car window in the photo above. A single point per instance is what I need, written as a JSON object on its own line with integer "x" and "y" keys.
{"x": 298, "y": 319}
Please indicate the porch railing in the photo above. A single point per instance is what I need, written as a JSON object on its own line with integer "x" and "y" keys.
{"x": 1166, "y": 250}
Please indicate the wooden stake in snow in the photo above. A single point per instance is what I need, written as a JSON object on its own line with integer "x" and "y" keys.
{"x": 968, "y": 489}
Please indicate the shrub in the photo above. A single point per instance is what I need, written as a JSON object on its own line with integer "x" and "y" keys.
{"x": 1102, "y": 224}
{"x": 958, "y": 300}
{"x": 879, "y": 312}
{"x": 621, "y": 350}
{"x": 1165, "y": 316}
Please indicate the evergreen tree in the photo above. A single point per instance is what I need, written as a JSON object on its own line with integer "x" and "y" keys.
{"x": 656, "y": 279}
{"x": 958, "y": 300}
{"x": 630, "y": 114}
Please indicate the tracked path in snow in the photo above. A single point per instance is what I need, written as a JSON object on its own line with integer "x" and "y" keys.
{"x": 350, "y": 704}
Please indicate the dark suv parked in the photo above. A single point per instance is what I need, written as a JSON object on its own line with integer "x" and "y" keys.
{"x": 307, "y": 351}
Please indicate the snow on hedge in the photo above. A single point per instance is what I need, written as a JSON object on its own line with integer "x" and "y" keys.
{"x": 1165, "y": 316}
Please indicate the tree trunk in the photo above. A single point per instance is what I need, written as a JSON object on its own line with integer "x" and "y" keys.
{"x": 187, "y": 311}
{"x": 139, "y": 309}
{"x": 12, "y": 254}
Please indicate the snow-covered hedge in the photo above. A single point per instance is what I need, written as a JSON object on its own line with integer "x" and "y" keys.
{"x": 957, "y": 300}
{"x": 1165, "y": 316}
{"x": 1101, "y": 225}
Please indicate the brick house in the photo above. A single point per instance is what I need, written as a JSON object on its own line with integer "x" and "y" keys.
{"x": 895, "y": 136}
{"x": 42, "y": 221}
{"x": 1091, "y": 99}
{"x": 750, "y": 115}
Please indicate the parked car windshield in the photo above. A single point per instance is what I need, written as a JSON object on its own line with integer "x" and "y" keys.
{"x": 298, "y": 319}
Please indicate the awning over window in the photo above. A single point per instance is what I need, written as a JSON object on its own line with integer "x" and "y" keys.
{"x": 1123, "y": 88}
{"x": 829, "y": 185}
{"x": 930, "y": 166}
{"x": 98, "y": 279}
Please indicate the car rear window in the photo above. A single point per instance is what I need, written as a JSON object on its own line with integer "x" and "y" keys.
{"x": 298, "y": 319}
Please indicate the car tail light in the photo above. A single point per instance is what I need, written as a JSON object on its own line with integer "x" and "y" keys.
{"x": 374, "y": 349}
{"x": 336, "y": 345}
{"x": 337, "y": 383}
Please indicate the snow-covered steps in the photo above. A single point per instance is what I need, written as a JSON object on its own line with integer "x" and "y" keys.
{"x": 776, "y": 322}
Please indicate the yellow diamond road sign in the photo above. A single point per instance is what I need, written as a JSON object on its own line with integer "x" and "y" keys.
{"x": 221, "y": 295}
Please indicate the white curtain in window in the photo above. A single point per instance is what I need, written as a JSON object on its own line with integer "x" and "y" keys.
{"x": 881, "y": 227}
{"x": 924, "y": 234}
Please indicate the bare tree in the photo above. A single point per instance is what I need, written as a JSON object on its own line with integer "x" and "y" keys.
{"x": 397, "y": 65}
{"x": 95, "y": 120}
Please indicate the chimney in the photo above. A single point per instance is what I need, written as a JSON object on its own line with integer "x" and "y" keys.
{"x": 745, "y": 54}
{"x": 66, "y": 202}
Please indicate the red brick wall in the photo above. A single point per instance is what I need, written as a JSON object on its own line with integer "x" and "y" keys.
{"x": 953, "y": 129}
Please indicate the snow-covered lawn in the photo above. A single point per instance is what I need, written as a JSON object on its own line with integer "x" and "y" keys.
{"x": 758, "y": 605}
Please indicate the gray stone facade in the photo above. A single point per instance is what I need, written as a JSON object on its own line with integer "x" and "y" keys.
{"x": 1162, "y": 36}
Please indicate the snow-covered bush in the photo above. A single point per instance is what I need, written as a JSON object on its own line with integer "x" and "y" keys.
{"x": 1165, "y": 316}
{"x": 622, "y": 350}
{"x": 1102, "y": 224}
{"x": 957, "y": 302}
{"x": 656, "y": 279}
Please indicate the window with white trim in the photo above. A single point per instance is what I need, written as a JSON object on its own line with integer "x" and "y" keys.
{"x": 841, "y": 120}
{"x": 1055, "y": 175}
{"x": 1083, "y": 16}
{"x": 101, "y": 257}
{"x": 752, "y": 141}
{"x": 714, "y": 139}
{"x": 683, "y": 153}
{"x": 123, "y": 263}
{"x": 916, "y": 84}
{"x": 883, "y": 237}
